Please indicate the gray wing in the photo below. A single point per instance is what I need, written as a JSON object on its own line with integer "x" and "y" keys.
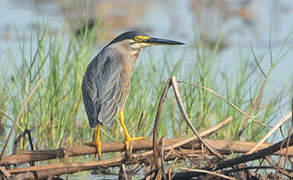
{"x": 102, "y": 87}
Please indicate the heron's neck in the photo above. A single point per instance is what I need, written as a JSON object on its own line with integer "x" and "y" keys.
{"x": 129, "y": 54}
{"x": 133, "y": 56}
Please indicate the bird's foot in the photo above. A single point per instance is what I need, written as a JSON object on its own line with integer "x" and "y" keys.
{"x": 98, "y": 145}
{"x": 128, "y": 139}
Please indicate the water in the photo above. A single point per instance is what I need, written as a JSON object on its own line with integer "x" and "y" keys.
{"x": 242, "y": 24}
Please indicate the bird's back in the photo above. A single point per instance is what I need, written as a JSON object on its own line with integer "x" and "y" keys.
{"x": 105, "y": 86}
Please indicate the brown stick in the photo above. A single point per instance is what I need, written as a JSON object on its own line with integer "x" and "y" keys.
{"x": 181, "y": 107}
{"x": 209, "y": 172}
{"x": 257, "y": 155}
{"x": 272, "y": 130}
{"x": 107, "y": 147}
{"x": 194, "y": 138}
{"x": 221, "y": 145}
{"x": 217, "y": 95}
{"x": 5, "y": 172}
{"x": 162, "y": 144}
{"x": 65, "y": 168}
{"x": 277, "y": 168}
{"x": 244, "y": 158}
{"x": 155, "y": 143}
{"x": 254, "y": 107}
{"x": 18, "y": 116}
{"x": 11, "y": 119}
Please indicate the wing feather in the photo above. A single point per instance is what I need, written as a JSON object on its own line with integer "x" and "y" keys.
{"x": 104, "y": 88}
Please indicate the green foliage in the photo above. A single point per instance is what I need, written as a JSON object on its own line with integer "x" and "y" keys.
{"x": 53, "y": 113}
{"x": 56, "y": 115}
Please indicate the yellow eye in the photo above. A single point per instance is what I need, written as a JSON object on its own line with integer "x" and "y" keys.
{"x": 137, "y": 38}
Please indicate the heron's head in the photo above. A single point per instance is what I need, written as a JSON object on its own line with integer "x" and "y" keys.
{"x": 135, "y": 41}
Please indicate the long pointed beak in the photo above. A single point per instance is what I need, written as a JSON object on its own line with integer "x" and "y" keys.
{"x": 158, "y": 41}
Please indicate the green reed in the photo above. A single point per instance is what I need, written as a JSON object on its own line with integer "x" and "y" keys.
{"x": 55, "y": 114}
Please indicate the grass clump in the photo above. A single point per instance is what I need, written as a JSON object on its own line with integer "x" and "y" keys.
{"x": 55, "y": 113}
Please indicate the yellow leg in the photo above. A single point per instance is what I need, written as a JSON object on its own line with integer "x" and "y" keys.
{"x": 97, "y": 141}
{"x": 127, "y": 136}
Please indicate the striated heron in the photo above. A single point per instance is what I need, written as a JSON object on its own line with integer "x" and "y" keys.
{"x": 106, "y": 83}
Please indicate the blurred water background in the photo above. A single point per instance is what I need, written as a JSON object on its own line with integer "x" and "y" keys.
{"x": 242, "y": 24}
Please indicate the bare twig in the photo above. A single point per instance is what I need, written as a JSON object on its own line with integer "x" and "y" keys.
{"x": 155, "y": 146}
{"x": 254, "y": 107}
{"x": 134, "y": 169}
{"x": 252, "y": 167}
{"x": 18, "y": 139}
{"x": 277, "y": 126}
{"x": 277, "y": 168}
{"x": 288, "y": 140}
{"x": 209, "y": 172}
{"x": 189, "y": 175}
{"x": 203, "y": 134}
{"x": 171, "y": 167}
{"x": 224, "y": 146}
{"x": 5, "y": 172}
{"x": 141, "y": 119}
{"x": 11, "y": 119}
{"x": 181, "y": 107}
{"x": 280, "y": 159}
{"x": 123, "y": 173}
{"x": 257, "y": 155}
{"x": 115, "y": 147}
{"x": 65, "y": 168}
{"x": 291, "y": 129}
{"x": 162, "y": 144}
{"x": 217, "y": 95}
{"x": 18, "y": 117}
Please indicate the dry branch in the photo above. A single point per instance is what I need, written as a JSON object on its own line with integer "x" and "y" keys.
{"x": 217, "y": 95}
{"x": 106, "y": 147}
{"x": 210, "y": 172}
{"x": 18, "y": 117}
{"x": 221, "y": 145}
{"x": 257, "y": 155}
{"x": 156, "y": 153}
{"x": 278, "y": 168}
{"x": 5, "y": 172}
{"x": 181, "y": 107}
{"x": 160, "y": 106}
{"x": 242, "y": 159}
{"x": 11, "y": 119}
{"x": 65, "y": 168}
{"x": 277, "y": 126}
